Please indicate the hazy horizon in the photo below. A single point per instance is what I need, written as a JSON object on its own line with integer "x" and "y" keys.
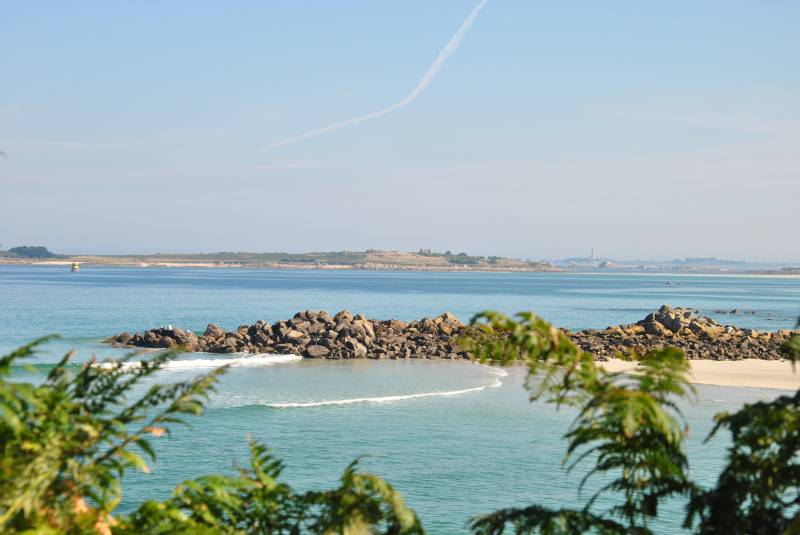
{"x": 661, "y": 131}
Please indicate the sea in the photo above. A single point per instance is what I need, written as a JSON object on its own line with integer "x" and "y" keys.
{"x": 457, "y": 439}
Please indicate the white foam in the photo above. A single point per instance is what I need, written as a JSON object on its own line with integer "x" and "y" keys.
{"x": 498, "y": 372}
{"x": 253, "y": 360}
{"x": 378, "y": 399}
{"x": 246, "y": 360}
{"x": 193, "y": 364}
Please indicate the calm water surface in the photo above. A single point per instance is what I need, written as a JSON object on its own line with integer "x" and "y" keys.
{"x": 456, "y": 438}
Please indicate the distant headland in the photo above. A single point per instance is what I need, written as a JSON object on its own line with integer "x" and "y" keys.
{"x": 381, "y": 260}
{"x": 422, "y": 260}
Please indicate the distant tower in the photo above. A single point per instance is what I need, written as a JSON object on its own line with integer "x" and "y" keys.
{"x": 592, "y": 255}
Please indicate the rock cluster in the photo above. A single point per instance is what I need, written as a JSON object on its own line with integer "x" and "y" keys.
{"x": 317, "y": 334}
{"x": 699, "y": 337}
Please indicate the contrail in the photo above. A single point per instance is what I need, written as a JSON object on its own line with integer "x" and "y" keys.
{"x": 423, "y": 84}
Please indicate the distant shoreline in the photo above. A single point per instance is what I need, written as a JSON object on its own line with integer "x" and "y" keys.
{"x": 127, "y": 262}
{"x": 281, "y": 265}
{"x": 370, "y": 260}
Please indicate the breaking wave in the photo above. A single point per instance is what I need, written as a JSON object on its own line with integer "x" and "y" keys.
{"x": 497, "y": 372}
{"x": 377, "y": 399}
{"x": 196, "y": 364}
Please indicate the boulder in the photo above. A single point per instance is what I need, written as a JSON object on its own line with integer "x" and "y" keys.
{"x": 367, "y": 326}
{"x": 122, "y": 338}
{"x": 151, "y": 339}
{"x": 317, "y": 351}
{"x": 260, "y": 339}
{"x": 213, "y": 331}
{"x": 300, "y": 325}
{"x": 327, "y": 342}
{"x": 285, "y": 349}
{"x": 343, "y": 315}
{"x": 358, "y": 349}
{"x": 397, "y": 324}
{"x": 656, "y": 328}
{"x": 316, "y": 328}
{"x": 324, "y": 317}
{"x": 426, "y": 325}
{"x": 292, "y": 335}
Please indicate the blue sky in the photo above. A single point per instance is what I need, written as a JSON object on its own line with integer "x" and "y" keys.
{"x": 640, "y": 129}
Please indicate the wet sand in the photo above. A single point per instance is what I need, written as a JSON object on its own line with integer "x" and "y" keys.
{"x": 753, "y": 373}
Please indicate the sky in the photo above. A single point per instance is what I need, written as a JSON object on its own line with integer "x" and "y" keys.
{"x": 640, "y": 129}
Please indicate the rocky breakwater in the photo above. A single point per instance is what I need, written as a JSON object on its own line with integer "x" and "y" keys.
{"x": 316, "y": 334}
{"x": 699, "y": 337}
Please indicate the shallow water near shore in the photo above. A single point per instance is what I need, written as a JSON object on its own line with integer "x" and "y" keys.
{"x": 457, "y": 439}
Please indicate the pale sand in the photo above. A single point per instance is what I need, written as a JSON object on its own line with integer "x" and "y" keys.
{"x": 748, "y": 373}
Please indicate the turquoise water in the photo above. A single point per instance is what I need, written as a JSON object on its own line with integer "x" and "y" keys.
{"x": 457, "y": 439}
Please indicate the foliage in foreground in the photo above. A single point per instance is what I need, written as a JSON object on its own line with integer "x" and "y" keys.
{"x": 66, "y": 443}
{"x": 255, "y": 502}
{"x": 631, "y": 428}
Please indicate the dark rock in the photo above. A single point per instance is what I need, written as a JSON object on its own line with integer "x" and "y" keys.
{"x": 292, "y": 335}
{"x": 316, "y": 328}
{"x": 213, "y": 331}
{"x": 301, "y": 325}
{"x": 151, "y": 339}
{"x": 285, "y": 349}
{"x": 329, "y": 343}
{"x": 343, "y": 315}
{"x": 357, "y": 348}
{"x": 122, "y": 339}
{"x": 317, "y": 351}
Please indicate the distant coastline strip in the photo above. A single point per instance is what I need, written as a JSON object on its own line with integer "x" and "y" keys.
{"x": 423, "y": 84}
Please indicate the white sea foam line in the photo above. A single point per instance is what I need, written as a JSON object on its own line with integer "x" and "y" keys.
{"x": 378, "y": 399}
{"x": 387, "y": 399}
{"x": 499, "y": 372}
{"x": 265, "y": 360}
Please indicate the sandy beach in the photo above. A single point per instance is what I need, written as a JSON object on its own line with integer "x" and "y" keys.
{"x": 753, "y": 373}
